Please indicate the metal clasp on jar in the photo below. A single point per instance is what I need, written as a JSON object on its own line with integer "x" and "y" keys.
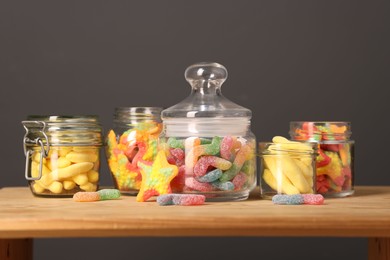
{"x": 29, "y": 143}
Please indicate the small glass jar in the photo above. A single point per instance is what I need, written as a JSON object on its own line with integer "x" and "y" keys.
{"x": 287, "y": 168}
{"x": 62, "y": 154}
{"x": 208, "y": 138}
{"x": 335, "y": 160}
{"x": 134, "y": 137}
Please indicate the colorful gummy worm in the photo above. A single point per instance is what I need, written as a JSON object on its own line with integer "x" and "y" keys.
{"x": 181, "y": 199}
{"x": 104, "y": 194}
{"x": 297, "y": 199}
{"x": 334, "y": 161}
{"x": 211, "y": 164}
{"x": 138, "y": 144}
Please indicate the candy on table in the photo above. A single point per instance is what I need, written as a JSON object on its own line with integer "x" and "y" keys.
{"x": 284, "y": 171}
{"x": 134, "y": 145}
{"x": 298, "y": 199}
{"x": 181, "y": 199}
{"x": 156, "y": 178}
{"x": 104, "y": 194}
{"x": 66, "y": 170}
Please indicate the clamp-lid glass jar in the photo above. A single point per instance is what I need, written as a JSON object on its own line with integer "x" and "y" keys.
{"x": 334, "y": 163}
{"x": 208, "y": 138}
{"x": 62, "y": 154}
{"x": 134, "y": 137}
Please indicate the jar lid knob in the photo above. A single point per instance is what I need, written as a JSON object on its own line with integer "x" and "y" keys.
{"x": 206, "y": 71}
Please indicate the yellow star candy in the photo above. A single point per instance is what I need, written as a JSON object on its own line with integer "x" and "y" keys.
{"x": 156, "y": 178}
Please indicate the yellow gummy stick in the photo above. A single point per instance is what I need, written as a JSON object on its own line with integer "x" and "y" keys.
{"x": 290, "y": 170}
{"x": 76, "y": 157}
{"x": 67, "y": 172}
{"x": 284, "y": 186}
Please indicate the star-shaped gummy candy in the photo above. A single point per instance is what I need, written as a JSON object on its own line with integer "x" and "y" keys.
{"x": 156, "y": 178}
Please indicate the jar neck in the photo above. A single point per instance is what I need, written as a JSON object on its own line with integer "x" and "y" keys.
{"x": 206, "y": 127}
{"x": 206, "y": 87}
{"x": 125, "y": 116}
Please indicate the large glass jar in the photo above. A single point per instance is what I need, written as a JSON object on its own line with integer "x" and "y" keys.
{"x": 62, "y": 154}
{"x": 334, "y": 163}
{"x": 208, "y": 138}
{"x": 133, "y": 137}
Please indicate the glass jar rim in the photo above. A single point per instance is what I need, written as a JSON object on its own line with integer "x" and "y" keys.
{"x": 287, "y": 148}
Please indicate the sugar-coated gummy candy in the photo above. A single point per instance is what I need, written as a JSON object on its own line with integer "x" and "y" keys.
{"x": 239, "y": 180}
{"x": 156, "y": 178}
{"x": 297, "y": 199}
{"x": 192, "y": 183}
{"x": 174, "y": 143}
{"x": 84, "y": 196}
{"x": 227, "y": 147}
{"x": 210, "y": 176}
{"x": 294, "y": 199}
{"x": 109, "y": 194}
{"x": 181, "y": 199}
{"x": 313, "y": 199}
{"x": 227, "y": 185}
{"x": 243, "y": 154}
{"x": 138, "y": 144}
{"x": 206, "y": 161}
{"x": 89, "y": 196}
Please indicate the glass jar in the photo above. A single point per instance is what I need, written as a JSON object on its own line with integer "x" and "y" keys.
{"x": 334, "y": 163}
{"x": 134, "y": 137}
{"x": 62, "y": 154}
{"x": 287, "y": 168}
{"x": 208, "y": 138}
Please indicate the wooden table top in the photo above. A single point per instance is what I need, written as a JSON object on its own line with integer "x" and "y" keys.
{"x": 366, "y": 214}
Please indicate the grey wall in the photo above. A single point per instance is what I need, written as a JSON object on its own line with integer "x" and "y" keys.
{"x": 287, "y": 60}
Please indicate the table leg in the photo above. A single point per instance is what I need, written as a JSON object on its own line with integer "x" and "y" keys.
{"x": 16, "y": 249}
{"x": 379, "y": 248}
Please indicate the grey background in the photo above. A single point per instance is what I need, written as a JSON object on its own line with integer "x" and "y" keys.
{"x": 287, "y": 60}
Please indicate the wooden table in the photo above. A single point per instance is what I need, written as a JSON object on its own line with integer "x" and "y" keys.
{"x": 24, "y": 217}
